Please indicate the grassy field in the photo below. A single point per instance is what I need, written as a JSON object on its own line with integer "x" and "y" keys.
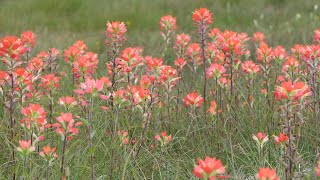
{"x": 59, "y": 24}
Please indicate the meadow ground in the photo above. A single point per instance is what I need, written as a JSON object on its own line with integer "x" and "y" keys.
{"x": 59, "y": 24}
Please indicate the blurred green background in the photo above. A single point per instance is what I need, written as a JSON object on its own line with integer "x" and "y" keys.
{"x": 59, "y": 23}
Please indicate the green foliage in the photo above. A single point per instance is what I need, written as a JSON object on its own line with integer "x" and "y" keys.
{"x": 60, "y": 23}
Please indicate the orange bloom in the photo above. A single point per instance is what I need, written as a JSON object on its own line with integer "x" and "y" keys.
{"x": 279, "y": 53}
{"x": 67, "y": 102}
{"x": 260, "y": 137}
{"x": 215, "y": 70}
{"x": 48, "y": 152}
{"x": 193, "y": 99}
{"x": 209, "y": 168}
{"x": 213, "y": 108}
{"x": 25, "y": 148}
{"x": 115, "y": 32}
{"x": 168, "y": 23}
{"x": 28, "y": 39}
{"x": 289, "y": 90}
{"x": 129, "y": 59}
{"x": 264, "y": 53}
{"x": 35, "y": 64}
{"x": 291, "y": 63}
{"x": 168, "y": 76}
{"x": 267, "y": 174}
{"x": 250, "y": 67}
{"x": 232, "y": 42}
{"x": 282, "y": 138}
{"x": 182, "y": 40}
{"x": 214, "y": 32}
{"x": 12, "y": 47}
{"x": 85, "y": 65}
{"x": 180, "y": 63}
{"x": 258, "y": 37}
{"x": 163, "y": 138}
{"x": 202, "y": 16}
{"x": 153, "y": 63}
{"x": 91, "y": 86}
{"x": 66, "y": 125}
{"x": 50, "y": 81}
{"x": 33, "y": 116}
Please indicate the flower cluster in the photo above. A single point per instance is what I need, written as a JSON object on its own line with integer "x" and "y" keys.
{"x": 209, "y": 168}
{"x": 292, "y": 90}
{"x": 164, "y": 139}
{"x": 66, "y": 126}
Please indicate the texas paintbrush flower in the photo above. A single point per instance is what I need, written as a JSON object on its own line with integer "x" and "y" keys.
{"x": 182, "y": 40}
{"x": 163, "y": 138}
{"x": 129, "y": 59}
{"x": 193, "y": 49}
{"x": 213, "y": 33}
{"x": 279, "y": 54}
{"x": 3, "y": 78}
{"x": 168, "y": 23}
{"x": 66, "y": 126}
{"x": 48, "y": 153}
{"x": 250, "y": 67}
{"x": 215, "y": 70}
{"x": 264, "y": 53}
{"x": 267, "y": 174}
{"x": 90, "y": 87}
{"x": 35, "y": 64}
{"x": 292, "y": 90}
{"x": 11, "y": 47}
{"x": 25, "y": 148}
{"x": 180, "y": 63}
{"x": 115, "y": 32}
{"x": 85, "y": 65}
{"x": 281, "y": 139}
{"x": 22, "y": 77}
{"x": 50, "y": 82}
{"x": 138, "y": 94}
{"x": 231, "y": 43}
{"x": 75, "y": 50}
{"x": 260, "y": 138}
{"x": 123, "y": 136}
{"x": 34, "y": 116}
{"x": 290, "y": 65}
{"x": 168, "y": 77}
{"x": 258, "y": 37}
{"x": 71, "y": 53}
{"x": 146, "y": 81}
{"x": 209, "y": 169}
{"x": 193, "y": 99}
{"x": 202, "y": 16}
{"x": 194, "y": 52}
{"x": 212, "y": 51}
{"x": 153, "y": 63}
{"x": 68, "y": 102}
{"x": 120, "y": 96}
{"x": 28, "y": 39}
{"x": 213, "y": 108}
{"x": 310, "y": 54}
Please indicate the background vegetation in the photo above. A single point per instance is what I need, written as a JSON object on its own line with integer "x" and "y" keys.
{"x": 60, "y": 23}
